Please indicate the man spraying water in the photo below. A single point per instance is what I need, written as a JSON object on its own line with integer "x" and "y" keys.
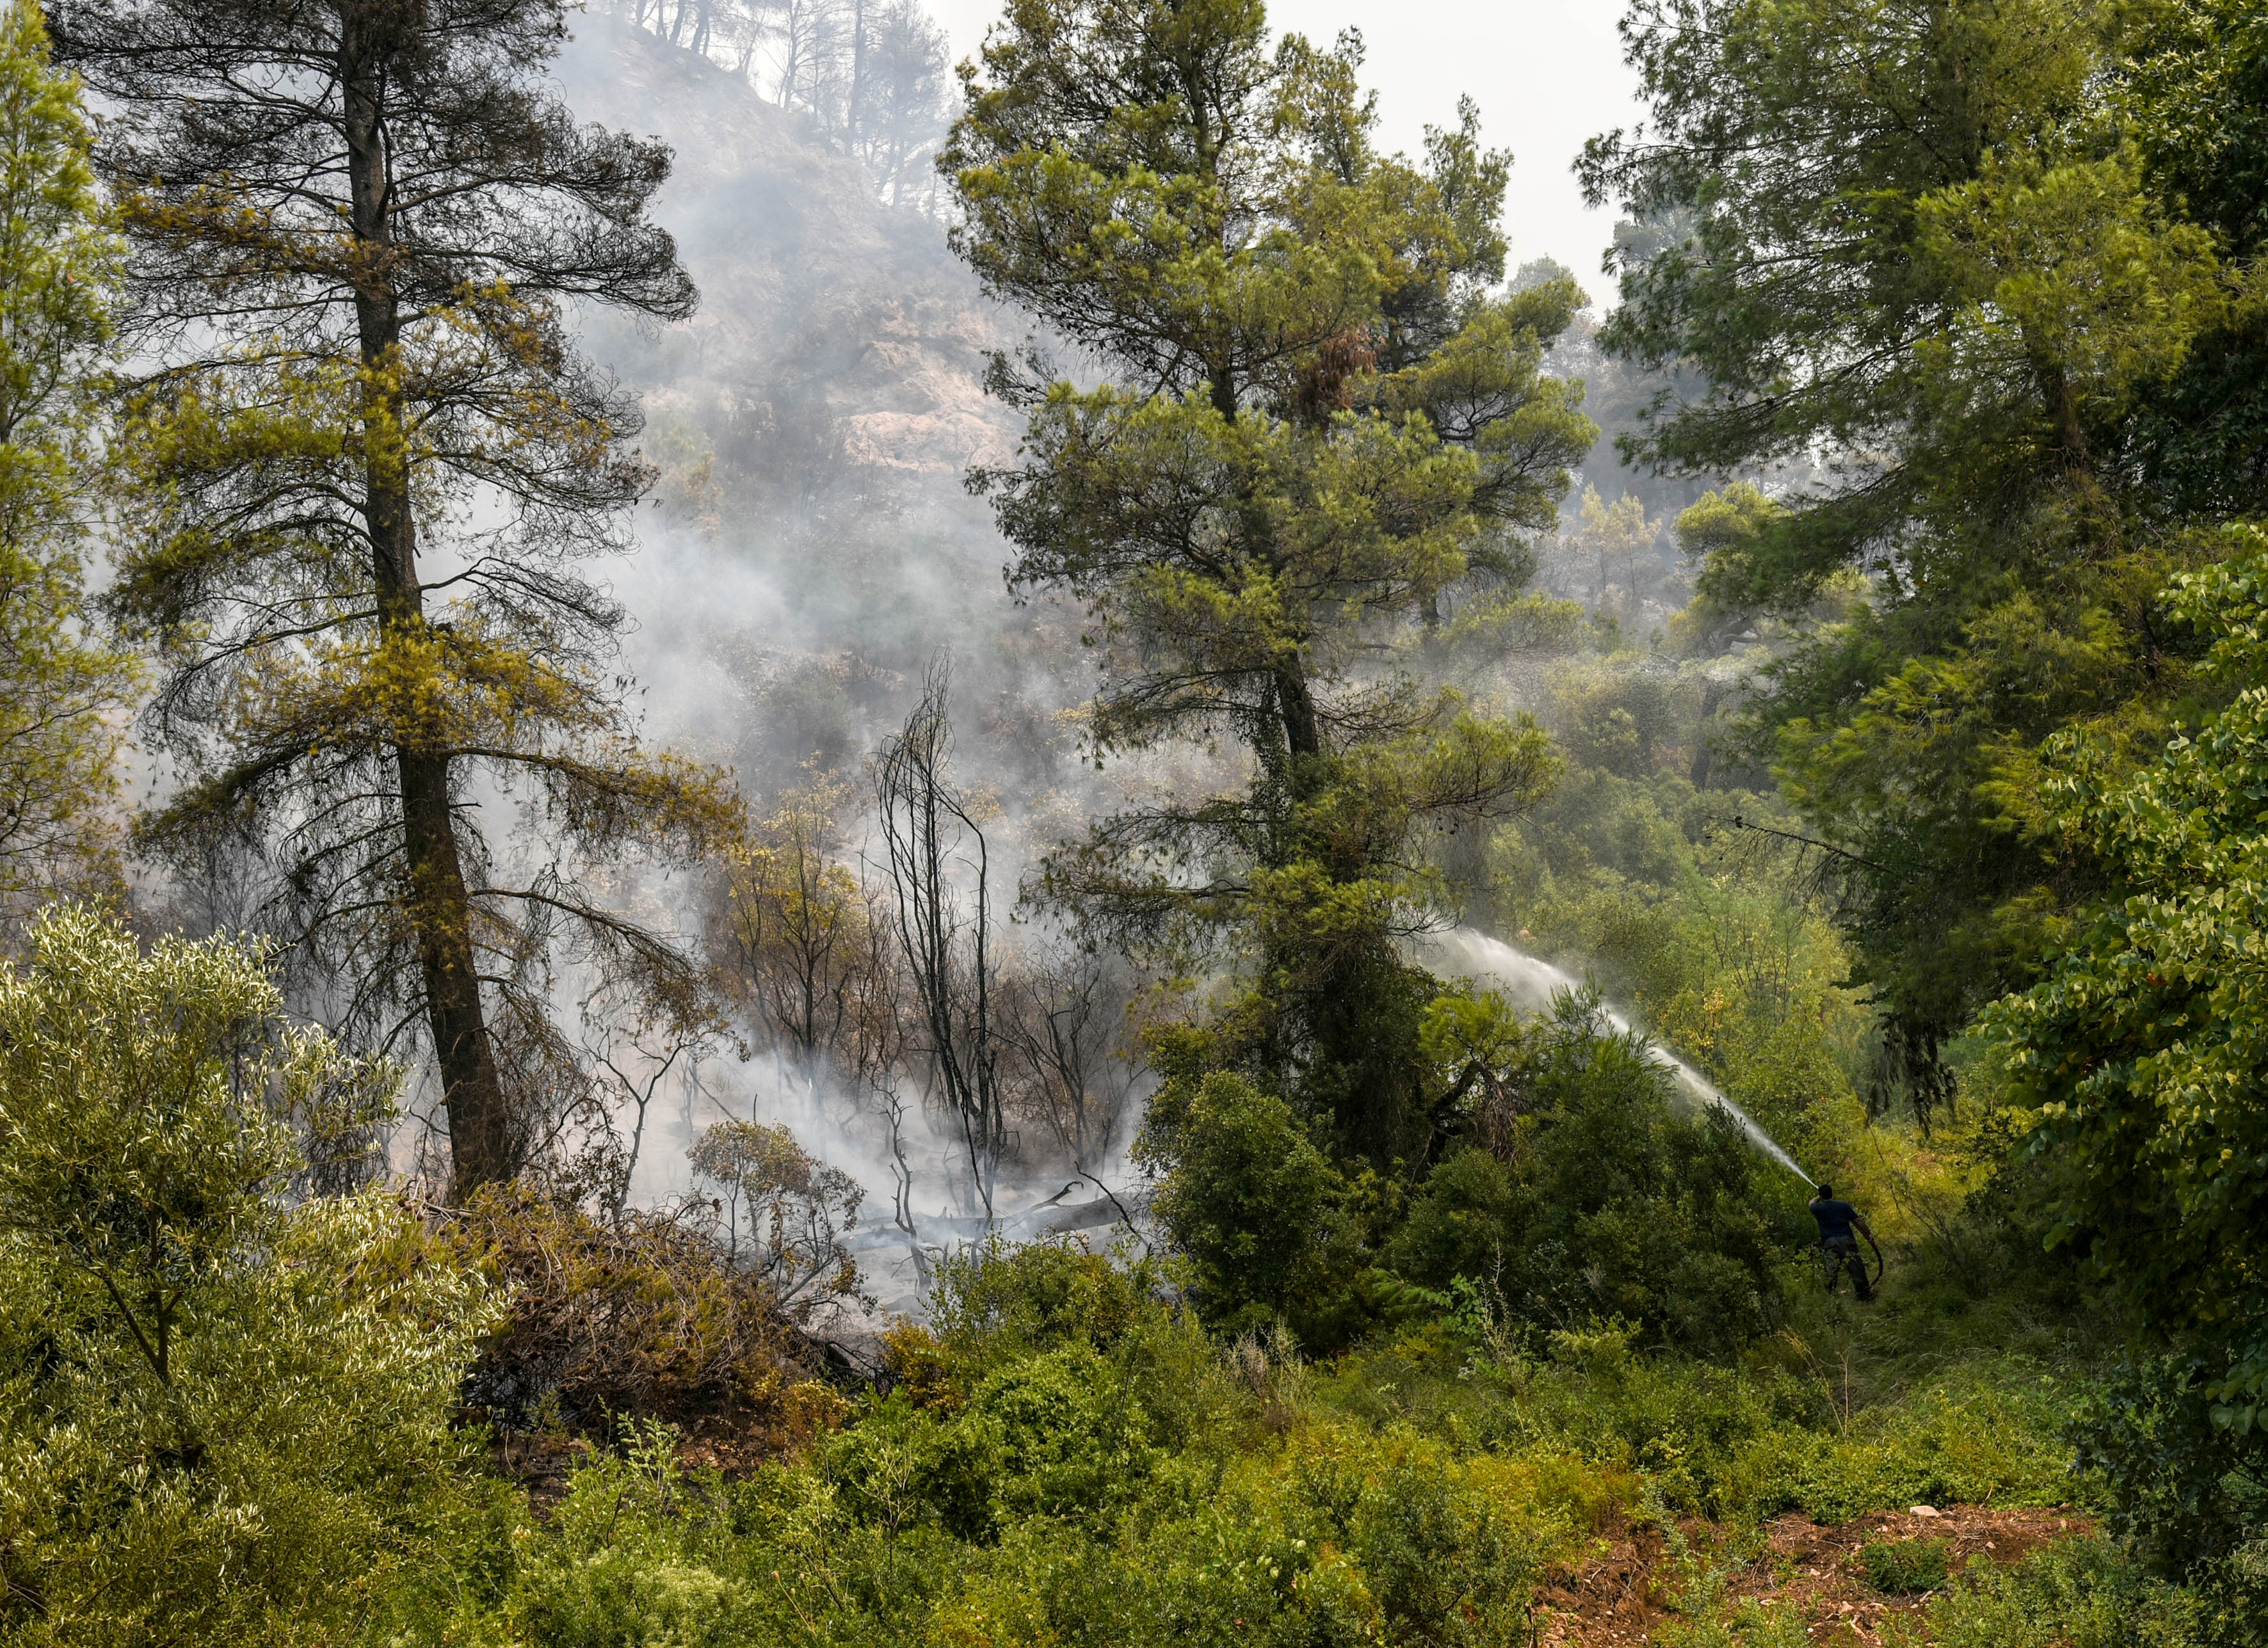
{"x": 1837, "y": 1220}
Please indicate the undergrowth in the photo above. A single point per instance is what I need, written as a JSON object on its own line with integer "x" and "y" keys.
{"x": 1067, "y": 1458}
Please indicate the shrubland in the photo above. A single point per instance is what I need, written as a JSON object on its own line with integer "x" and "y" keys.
{"x": 304, "y": 1412}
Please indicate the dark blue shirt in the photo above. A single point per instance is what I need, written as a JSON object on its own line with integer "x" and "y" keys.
{"x": 1833, "y": 1216}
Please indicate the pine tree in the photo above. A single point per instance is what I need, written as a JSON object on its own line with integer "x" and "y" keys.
{"x": 1926, "y": 255}
{"x": 1323, "y": 414}
{"x": 368, "y": 465}
{"x": 59, "y": 691}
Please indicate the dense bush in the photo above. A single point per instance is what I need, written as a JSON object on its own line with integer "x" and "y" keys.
{"x": 1605, "y": 1201}
{"x": 224, "y": 1415}
{"x": 1265, "y": 1220}
{"x": 2183, "y": 1485}
{"x": 2083, "y": 1593}
{"x": 1057, "y": 1435}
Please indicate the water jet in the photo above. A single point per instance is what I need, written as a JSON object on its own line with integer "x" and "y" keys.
{"x": 1532, "y": 982}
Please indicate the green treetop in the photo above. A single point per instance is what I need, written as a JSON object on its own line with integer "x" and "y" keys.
{"x": 1319, "y": 414}
{"x": 58, "y": 735}
{"x": 1927, "y": 253}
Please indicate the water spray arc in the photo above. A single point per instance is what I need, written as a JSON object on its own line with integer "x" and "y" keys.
{"x": 1532, "y": 982}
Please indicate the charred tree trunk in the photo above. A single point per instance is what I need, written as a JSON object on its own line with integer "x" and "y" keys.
{"x": 927, "y": 828}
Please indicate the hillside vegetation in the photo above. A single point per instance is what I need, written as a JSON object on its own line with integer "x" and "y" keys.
{"x": 1470, "y": 805}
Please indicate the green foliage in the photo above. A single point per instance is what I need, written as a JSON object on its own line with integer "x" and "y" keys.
{"x": 1751, "y": 1625}
{"x": 1738, "y": 1443}
{"x": 1320, "y": 420}
{"x": 1064, "y": 1458}
{"x": 2189, "y": 85}
{"x": 226, "y": 1416}
{"x": 1413, "y": 1491}
{"x": 2185, "y": 1486}
{"x": 1038, "y": 1510}
{"x": 1846, "y": 171}
{"x": 1710, "y": 933}
{"x": 2076, "y": 1593}
{"x": 1956, "y": 271}
{"x": 59, "y": 692}
{"x": 2135, "y": 1058}
{"x": 1001, "y": 1301}
{"x": 1904, "y": 1567}
{"x": 1265, "y": 1220}
{"x": 1056, "y": 1435}
{"x": 1999, "y": 252}
{"x": 1594, "y": 1198}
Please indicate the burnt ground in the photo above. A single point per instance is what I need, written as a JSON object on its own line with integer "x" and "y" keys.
{"x": 1621, "y": 1596}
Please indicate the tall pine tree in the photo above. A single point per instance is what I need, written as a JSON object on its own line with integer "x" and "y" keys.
{"x": 1322, "y": 416}
{"x": 369, "y": 463}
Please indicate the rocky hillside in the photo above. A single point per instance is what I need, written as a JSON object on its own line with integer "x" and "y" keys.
{"x": 819, "y": 303}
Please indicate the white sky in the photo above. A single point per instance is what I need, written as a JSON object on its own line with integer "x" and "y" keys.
{"x": 1546, "y": 77}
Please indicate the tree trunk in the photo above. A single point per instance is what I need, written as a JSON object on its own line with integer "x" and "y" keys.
{"x": 441, "y": 909}
{"x": 1303, "y": 734}
{"x": 856, "y": 119}
{"x": 1704, "y": 757}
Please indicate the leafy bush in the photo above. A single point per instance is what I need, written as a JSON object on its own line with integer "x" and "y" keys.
{"x": 223, "y": 1416}
{"x": 630, "y": 1560}
{"x": 1263, "y": 1216}
{"x": 1751, "y": 1624}
{"x": 2076, "y": 1593}
{"x": 998, "y": 1301}
{"x": 1056, "y": 1435}
{"x": 2136, "y": 1061}
{"x": 1990, "y": 1433}
{"x": 2185, "y": 1486}
{"x": 1905, "y": 1567}
{"x": 1602, "y": 1201}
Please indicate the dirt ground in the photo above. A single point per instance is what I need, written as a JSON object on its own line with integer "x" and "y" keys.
{"x": 1616, "y": 1597}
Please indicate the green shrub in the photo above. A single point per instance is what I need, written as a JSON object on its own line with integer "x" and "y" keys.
{"x": 1444, "y": 1564}
{"x": 225, "y": 1417}
{"x": 999, "y": 1300}
{"x": 1990, "y": 1433}
{"x": 1264, "y": 1219}
{"x": 2076, "y": 1593}
{"x": 1056, "y": 1435}
{"x": 997, "y": 1304}
{"x": 2184, "y": 1485}
{"x": 1905, "y": 1567}
{"x": 1752, "y": 1624}
{"x": 1602, "y": 1200}
{"x": 626, "y": 1561}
